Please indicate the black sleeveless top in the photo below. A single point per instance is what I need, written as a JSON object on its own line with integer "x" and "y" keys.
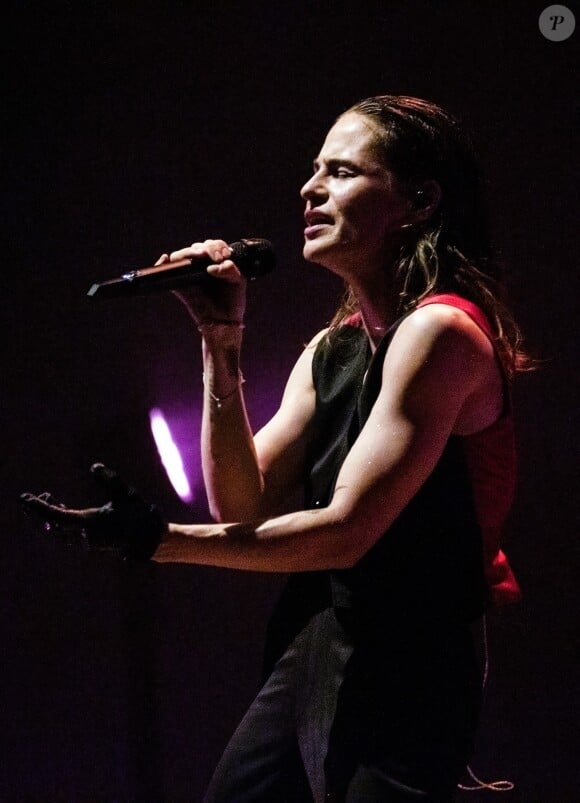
{"x": 426, "y": 572}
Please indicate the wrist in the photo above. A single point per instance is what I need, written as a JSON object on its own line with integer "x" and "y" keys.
{"x": 221, "y": 359}
{"x": 221, "y": 330}
{"x": 221, "y": 342}
{"x": 226, "y": 393}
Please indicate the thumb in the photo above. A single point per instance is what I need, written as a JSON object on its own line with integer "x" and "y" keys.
{"x": 112, "y": 483}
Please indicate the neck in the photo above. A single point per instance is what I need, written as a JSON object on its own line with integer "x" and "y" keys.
{"x": 378, "y": 306}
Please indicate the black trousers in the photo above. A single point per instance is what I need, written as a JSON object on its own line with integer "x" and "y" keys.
{"x": 327, "y": 727}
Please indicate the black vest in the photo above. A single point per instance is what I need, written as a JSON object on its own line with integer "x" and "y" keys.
{"x": 426, "y": 571}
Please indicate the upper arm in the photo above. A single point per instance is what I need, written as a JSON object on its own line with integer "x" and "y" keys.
{"x": 435, "y": 364}
{"x": 282, "y": 443}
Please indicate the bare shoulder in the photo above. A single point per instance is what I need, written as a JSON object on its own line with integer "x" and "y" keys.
{"x": 440, "y": 352}
{"x": 446, "y": 330}
{"x": 439, "y": 319}
{"x": 302, "y": 372}
{"x": 317, "y": 338}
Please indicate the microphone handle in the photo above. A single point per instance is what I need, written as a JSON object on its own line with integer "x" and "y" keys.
{"x": 169, "y": 276}
{"x": 254, "y": 257}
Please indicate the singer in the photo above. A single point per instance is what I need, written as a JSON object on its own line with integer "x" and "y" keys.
{"x": 396, "y": 421}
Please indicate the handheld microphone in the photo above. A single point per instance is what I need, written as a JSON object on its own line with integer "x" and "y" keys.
{"x": 253, "y": 257}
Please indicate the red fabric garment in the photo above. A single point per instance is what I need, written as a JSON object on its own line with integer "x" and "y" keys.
{"x": 491, "y": 460}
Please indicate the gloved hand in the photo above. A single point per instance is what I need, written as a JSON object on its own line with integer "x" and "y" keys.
{"x": 126, "y": 526}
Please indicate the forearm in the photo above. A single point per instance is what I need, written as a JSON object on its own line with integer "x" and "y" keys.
{"x": 230, "y": 468}
{"x": 308, "y": 540}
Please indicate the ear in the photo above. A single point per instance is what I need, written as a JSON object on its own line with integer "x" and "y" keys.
{"x": 426, "y": 200}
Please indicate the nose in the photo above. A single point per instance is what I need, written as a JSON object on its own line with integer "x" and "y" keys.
{"x": 313, "y": 188}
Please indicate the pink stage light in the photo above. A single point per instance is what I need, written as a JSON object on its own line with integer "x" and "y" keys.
{"x": 169, "y": 454}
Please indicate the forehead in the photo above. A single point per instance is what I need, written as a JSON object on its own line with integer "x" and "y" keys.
{"x": 352, "y": 137}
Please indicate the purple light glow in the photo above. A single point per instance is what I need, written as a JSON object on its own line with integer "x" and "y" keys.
{"x": 169, "y": 454}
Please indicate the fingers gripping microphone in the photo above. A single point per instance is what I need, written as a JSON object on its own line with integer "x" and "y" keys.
{"x": 253, "y": 257}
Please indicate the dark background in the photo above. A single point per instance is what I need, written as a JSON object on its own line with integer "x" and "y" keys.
{"x": 136, "y": 128}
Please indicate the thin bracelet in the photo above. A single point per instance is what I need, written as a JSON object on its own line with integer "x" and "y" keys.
{"x": 219, "y": 322}
{"x": 219, "y": 399}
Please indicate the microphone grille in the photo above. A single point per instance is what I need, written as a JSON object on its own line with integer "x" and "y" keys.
{"x": 253, "y": 256}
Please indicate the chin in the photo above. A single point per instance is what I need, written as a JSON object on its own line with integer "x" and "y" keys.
{"x": 308, "y": 252}
{"x": 325, "y": 261}
{"x": 314, "y": 251}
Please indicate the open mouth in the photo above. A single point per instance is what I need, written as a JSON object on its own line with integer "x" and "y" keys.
{"x": 315, "y": 222}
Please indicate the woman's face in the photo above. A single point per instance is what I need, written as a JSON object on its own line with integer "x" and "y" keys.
{"x": 354, "y": 205}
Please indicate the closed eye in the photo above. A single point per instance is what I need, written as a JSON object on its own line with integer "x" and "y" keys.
{"x": 338, "y": 168}
{"x": 342, "y": 172}
{"x": 342, "y": 169}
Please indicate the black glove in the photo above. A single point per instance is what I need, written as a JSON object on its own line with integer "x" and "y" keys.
{"x": 126, "y": 526}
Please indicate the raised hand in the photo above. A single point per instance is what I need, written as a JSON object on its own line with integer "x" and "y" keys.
{"x": 126, "y": 526}
{"x": 207, "y": 302}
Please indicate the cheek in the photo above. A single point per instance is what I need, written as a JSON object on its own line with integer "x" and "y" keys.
{"x": 372, "y": 214}
{"x": 386, "y": 215}
{"x": 374, "y": 220}
{"x": 361, "y": 214}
